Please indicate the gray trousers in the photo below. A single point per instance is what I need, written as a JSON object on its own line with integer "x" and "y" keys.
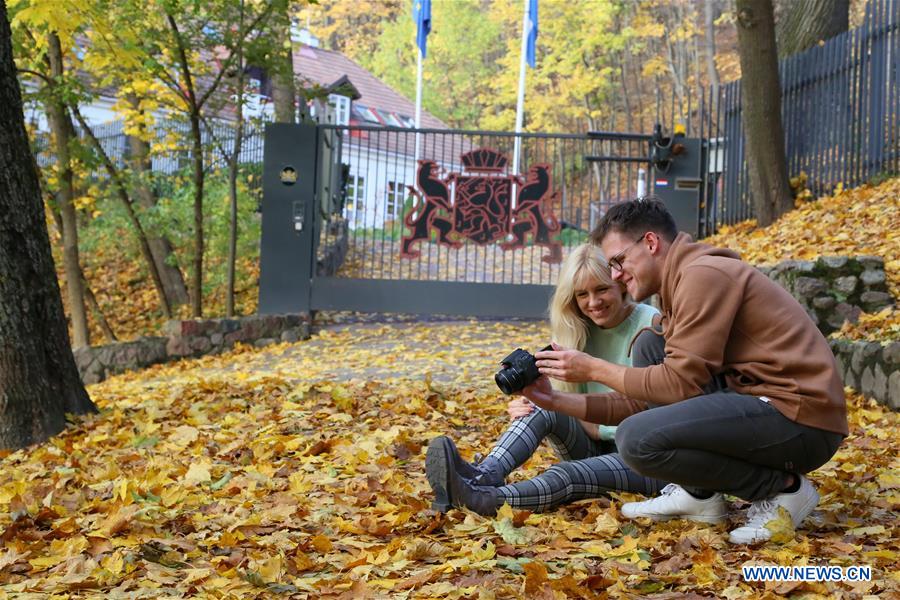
{"x": 721, "y": 441}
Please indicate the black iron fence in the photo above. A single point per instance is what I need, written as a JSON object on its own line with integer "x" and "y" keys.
{"x": 370, "y": 180}
{"x": 840, "y": 107}
{"x": 432, "y": 221}
{"x": 170, "y": 147}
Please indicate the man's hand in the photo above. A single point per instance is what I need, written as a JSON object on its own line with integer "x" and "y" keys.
{"x": 519, "y": 407}
{"x": 540, "y": 393}
{"x": 566, "y": 364}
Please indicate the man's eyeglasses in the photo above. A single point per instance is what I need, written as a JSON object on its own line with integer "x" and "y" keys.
{"x": 616, "y": 261}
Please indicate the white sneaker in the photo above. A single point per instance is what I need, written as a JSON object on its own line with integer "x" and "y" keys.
{"x": 799, "y": 504}
{"x": 676, "y": 503}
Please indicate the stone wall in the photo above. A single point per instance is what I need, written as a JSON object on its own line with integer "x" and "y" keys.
{"x": 188, "y": 339}
{"x": 834, "y": 289}
{"x": 870, "y": 368}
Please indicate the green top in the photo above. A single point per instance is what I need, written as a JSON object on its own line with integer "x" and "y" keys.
{"x": 612, "y": 345}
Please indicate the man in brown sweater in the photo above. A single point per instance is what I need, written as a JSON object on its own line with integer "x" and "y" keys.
{"x": 746, "y": 389}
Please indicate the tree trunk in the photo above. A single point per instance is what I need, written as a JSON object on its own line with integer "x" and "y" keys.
{"x": 761, "y": 110}
{"x": 676, "y": 61}
{"x": 89, "y": 296}
{"x": 98, "y": 312}
{"x": 160, "y": 247}
{"x": 709, "y": 20}
{"x": 39, "y": 381}
{"x": 193, "y": 105}
{"x": 803, "y": 23}
{"x": 636, "y": 78}
{"x": 284, "y": 92}
{"x": 198, "y": 178}
{"x": 61, "y": 127}
{"x": 233, "y": 162}
{"x": 626, "y": 94}
{"x": 122, "y": 193}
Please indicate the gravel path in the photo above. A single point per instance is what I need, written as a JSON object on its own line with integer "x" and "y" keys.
{"x": 447, "y": 352}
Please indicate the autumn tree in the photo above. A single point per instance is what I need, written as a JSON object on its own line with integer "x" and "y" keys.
{"x": 235, "y": 83}
{"x": 461, "y": 63}
{"x": 58, "y": 36}
{"x": 162, "y": 253}
{"x": 354, "y": 28}
{"x": 39, "y": 381}
{"x": 47, "y": 40}
{"x": 761, "y": 110}
{"x": 615, "y": 64}
{"x": 191, "y": 26}
{"x": 181, "y": 51}
{"x": 803, "y": 23}
{"x": 63, "y": 137}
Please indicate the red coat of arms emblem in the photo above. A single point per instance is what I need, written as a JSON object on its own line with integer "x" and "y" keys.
{"x": 480, "y": 206}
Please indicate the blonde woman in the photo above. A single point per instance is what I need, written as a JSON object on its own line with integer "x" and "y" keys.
{"x": 590, "y": 315}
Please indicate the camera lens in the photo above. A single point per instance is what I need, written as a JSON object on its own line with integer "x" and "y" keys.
{"x": 507, "y": 381}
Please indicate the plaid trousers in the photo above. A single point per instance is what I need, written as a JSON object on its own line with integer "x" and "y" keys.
{"x": 588, "y": 469}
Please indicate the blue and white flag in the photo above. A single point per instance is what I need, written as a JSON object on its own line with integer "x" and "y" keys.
{"x": 532, "y": 32}
{"x": 422, "y": 17}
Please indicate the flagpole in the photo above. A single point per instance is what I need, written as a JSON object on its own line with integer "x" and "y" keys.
{"x": 520, "y": 103}
{"x": 418, "y": 99}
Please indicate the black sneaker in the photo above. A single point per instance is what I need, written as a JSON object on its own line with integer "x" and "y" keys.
{"x": 449, "y": 486}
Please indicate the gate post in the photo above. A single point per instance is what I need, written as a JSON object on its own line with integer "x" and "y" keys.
{"x": 680, "y": 184}
{"x": 287, "y": 245}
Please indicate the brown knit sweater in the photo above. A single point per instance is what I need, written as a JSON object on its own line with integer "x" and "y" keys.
{"x": 720, "y": 315}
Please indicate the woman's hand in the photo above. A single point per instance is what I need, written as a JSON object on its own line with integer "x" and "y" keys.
{"x": 565, "y": 364}
{"x": 540, "y": 393}
{"x": 590, "y": 429}
{"x": 519, "y": 407}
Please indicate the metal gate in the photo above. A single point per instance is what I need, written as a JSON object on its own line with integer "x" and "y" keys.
{"x": 391, "y": 219}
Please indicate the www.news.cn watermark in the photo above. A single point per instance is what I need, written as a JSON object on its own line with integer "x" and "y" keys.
{"x": 806, "y": 573}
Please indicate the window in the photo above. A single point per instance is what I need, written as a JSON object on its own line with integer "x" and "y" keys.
{"x": 356, "y": 193}
{"x": 341, "y": 107}
{"x": 369, "y": 115}
{"x": 394, "y": 198}
{"x": 391, "y": 119}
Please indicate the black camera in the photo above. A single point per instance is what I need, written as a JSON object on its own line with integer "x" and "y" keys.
{"x": 519, "y": 371}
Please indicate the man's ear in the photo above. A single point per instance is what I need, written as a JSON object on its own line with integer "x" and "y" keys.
{"x": 655, "y": 243}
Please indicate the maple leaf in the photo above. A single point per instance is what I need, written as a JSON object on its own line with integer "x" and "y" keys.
{"x": 782, "y": 526}
{"x": 535, "y": 577}
{"x": 197, "y": 473}
{"x": 505, "y": 527}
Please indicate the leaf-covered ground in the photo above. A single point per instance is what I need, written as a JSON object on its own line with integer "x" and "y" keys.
{"x": 277, "y": 473}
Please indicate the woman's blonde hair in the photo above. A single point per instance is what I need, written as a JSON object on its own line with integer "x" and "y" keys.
{"x": 568, "y": 325}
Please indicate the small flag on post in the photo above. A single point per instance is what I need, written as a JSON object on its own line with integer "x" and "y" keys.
{"x": 532, "y": 32}
{"x": 422, "y": 17}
